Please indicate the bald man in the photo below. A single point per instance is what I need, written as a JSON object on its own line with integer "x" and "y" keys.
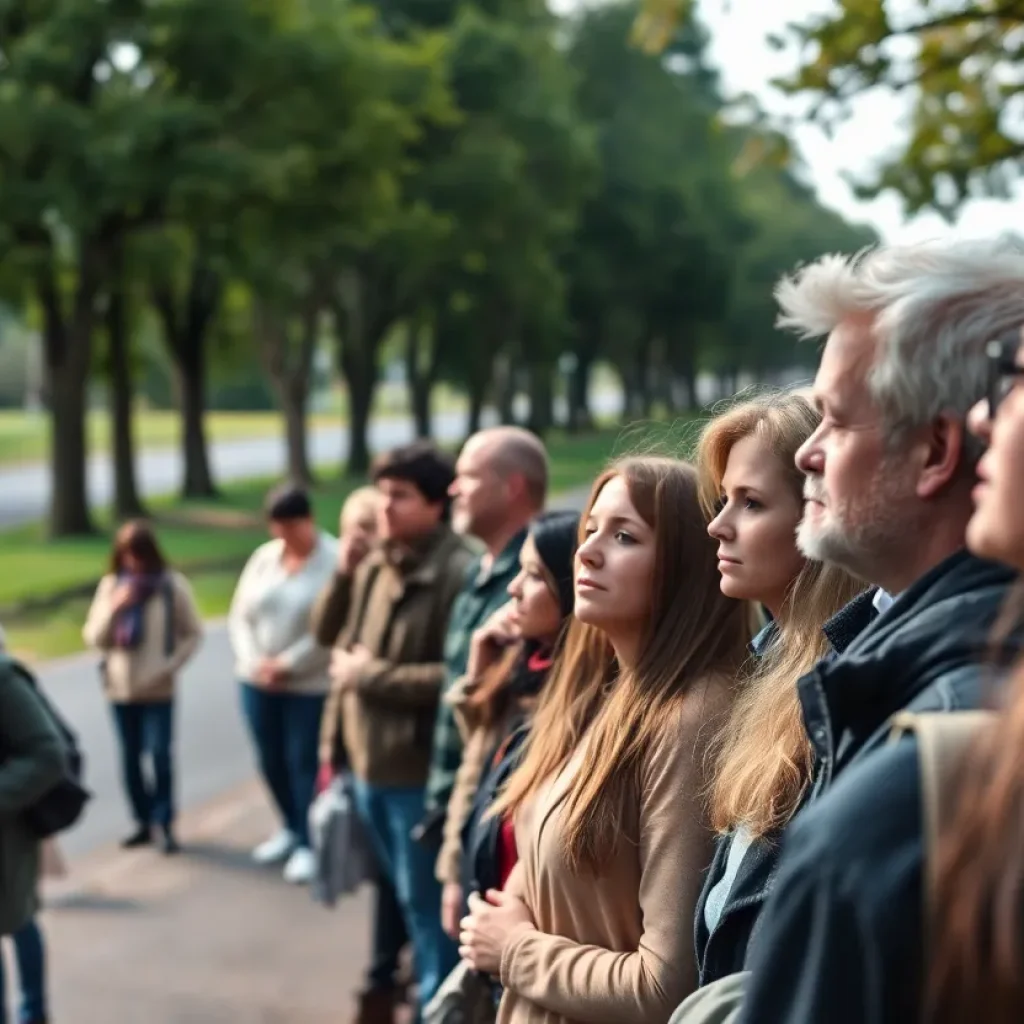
{"x": 501, "y": 482}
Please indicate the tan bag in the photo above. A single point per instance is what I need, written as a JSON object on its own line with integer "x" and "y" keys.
{"x": 943, "y": 738}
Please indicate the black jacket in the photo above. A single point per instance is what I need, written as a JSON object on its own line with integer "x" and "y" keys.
{"x": 724, "y": 951}
{"x": 839, "y": 938}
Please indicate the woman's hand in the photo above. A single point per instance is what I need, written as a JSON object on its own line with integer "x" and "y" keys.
{"x": 490, "y": 927}
{"x": 487, "y": 643}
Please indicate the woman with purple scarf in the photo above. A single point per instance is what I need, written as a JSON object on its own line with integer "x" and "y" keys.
{"x": 144, "y": 622}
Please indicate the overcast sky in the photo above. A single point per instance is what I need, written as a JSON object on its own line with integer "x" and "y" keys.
{"x": 747, "y": 64}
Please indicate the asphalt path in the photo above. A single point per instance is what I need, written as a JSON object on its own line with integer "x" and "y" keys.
{"x": 213, "y": 751}
{"x": 25, "y": 490}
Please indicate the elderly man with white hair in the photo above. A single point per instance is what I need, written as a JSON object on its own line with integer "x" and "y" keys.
{"x": 889, "y": 475}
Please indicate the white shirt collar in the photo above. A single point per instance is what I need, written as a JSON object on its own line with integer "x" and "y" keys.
{"x": 882, "y": 600}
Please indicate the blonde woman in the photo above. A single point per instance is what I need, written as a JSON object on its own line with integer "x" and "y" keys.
{"x": 594, "y": 922}
{"x": 750, "y": 484}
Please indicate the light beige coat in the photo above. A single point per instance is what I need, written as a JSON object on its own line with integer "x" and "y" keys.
{"x": 146, "y": 673}
{"x": 616, "y": 949}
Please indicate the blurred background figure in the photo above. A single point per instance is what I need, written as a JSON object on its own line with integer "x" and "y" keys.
{"x": 145, "y": 624}
{"x": 33, "y": 761}
{"x": 282, "y": 670}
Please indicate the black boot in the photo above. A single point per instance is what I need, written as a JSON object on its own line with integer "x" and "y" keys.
{"x": 168, "y": 844}
{"x": 140, "y": 837}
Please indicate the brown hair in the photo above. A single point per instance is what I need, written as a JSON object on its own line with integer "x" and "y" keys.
{"x": 693, "y": 632}
{"x": 978, "y": 906}
{"x": 762, "y": 759}
{"x": 136, "y": 537}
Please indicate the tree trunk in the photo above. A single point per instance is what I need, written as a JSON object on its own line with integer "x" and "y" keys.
{"x": 127, "y": 503}
{"x": 580, "y": 417}
{"x": 293, "y": 406}
{"x": 362, "y": 382}
{"x": 420, "y": 377}
{"x": 68, "y": 354}
{"x": 198, "y": 478}
{"x": 288, "y": 363}
{"x": 185, "y": 330}
{"x": 542, "y": 399}
{"x": 474, "y": 416}
{"x": 505, "y": 386}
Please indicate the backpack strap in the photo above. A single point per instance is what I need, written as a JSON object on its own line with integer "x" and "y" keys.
{"x": 943, "y": 739}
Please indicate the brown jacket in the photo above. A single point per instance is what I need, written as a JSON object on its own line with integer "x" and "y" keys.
{"x": 400, "y": 612}
{"x": 146, "y": 673}
{"x": 618, "y": 947}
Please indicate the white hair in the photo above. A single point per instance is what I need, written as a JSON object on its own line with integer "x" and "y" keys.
{"x": 933, "y": 306}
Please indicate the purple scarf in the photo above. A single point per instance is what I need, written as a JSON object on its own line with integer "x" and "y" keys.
{"x": 128, "y": 623}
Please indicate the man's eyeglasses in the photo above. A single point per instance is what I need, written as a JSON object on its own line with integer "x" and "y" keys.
{"x": 1003, "y": 370}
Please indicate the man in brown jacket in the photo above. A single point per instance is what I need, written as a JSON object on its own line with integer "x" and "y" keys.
{"x": 387, "y": 620}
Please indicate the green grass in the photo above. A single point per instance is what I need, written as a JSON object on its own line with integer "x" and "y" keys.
{"x": 45, "y": 585}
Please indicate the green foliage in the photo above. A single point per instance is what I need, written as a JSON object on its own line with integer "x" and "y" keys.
{"x": 960, "y": 62}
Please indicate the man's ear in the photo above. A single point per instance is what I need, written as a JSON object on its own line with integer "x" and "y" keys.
{"x": 943, "y": 448}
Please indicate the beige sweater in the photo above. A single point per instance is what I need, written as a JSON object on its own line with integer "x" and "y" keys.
{"x": 617, "y": 949}
{"x": 146, "y": 673}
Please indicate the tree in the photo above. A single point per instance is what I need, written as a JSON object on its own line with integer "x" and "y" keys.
{"x": 960, "y": 61}
{"x": 87, "y": 154}
{"x": 652, "y": 256}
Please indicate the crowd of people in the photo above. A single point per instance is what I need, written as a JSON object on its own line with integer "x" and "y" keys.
{"x": 739, "y": 742}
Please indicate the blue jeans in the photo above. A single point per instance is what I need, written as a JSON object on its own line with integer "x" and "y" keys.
{"x": 30, "y": 953}
{"x": 285, "y": 729}
{"x": 390, "y": 814}
{"x": 148, "y": 729}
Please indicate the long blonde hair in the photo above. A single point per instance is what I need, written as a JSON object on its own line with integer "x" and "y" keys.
{"x": 762, "y": 759}
{"x": 693, "y": 632}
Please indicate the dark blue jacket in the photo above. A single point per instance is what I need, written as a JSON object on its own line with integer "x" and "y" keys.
{"x": 838, "y": 938}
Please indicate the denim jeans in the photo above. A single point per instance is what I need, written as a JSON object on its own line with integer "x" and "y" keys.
{"x": 390, "y": 814}
{"x": 285, "y": 729}
{"x": 147, "y": 730}
{"x": 30, "y": 954}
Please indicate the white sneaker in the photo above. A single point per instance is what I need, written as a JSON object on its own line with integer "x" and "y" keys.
{"x": 301, "y": 867}
{"x": 276, "y": 849}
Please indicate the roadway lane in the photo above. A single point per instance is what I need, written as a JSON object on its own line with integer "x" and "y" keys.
{"x": 213, "y": 752}
{"x": 26, "y": 489}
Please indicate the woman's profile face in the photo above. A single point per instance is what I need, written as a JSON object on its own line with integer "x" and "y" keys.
{"x": 536, "y": 613}
{"x": 615, "y": 565}
{"x": 996, "y": 529}
{"x": 758, "y": 559}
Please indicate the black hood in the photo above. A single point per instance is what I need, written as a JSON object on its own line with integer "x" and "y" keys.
{"x": 936, "y": 631}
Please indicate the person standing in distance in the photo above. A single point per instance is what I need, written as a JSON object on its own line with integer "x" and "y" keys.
{"x": 501, "y": 482}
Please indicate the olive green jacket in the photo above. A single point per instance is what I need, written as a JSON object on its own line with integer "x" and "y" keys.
{"x": 31, "y": 763}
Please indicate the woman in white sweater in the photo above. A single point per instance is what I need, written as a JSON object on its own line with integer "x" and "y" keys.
{"x": 282, "y": 669}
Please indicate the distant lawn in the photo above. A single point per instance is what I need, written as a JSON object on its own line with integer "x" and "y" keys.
{"x": 45, "y": 585}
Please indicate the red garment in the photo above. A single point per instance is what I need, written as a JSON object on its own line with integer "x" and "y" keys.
{"x": 508, "y": 854}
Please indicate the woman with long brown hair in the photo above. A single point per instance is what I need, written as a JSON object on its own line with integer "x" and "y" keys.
{"x": 594, "y": 924}
{"x": 752, "y": 492}
{"x": 145, "y": 623}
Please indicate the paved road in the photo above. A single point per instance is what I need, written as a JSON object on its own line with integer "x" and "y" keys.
{"x": 213, "y": 749}
{"x": 26, "y": 489}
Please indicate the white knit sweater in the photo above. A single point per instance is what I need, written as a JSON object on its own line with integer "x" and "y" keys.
{"x": 270, "y": 614}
